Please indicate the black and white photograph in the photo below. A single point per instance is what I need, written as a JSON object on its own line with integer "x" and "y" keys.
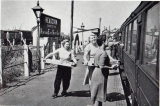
{"x": 79, "y": 53}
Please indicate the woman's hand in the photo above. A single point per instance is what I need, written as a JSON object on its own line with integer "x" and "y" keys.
{"x": 114, "y": 62}
{"x": 114, "y": 67}
{"x": 85, "y": 63}
{"x": 74, "y": 64}
{"x": 117, "y": 62}
{"x": 44, "y": 60}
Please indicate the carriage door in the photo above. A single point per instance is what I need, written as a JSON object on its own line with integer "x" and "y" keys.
{"x": 137, "y": 59}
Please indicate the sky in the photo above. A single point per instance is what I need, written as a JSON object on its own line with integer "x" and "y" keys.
{"x": 18, "y": 14}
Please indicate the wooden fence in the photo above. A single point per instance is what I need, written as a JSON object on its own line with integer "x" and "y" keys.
{"x": 18, "y": 61}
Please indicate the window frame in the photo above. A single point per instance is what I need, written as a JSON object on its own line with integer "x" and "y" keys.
{"x": 129, "y": 25}
{"x": 133, "y": 55}
{"x": 146, "y": 68}
{"x": 126, "y": 37}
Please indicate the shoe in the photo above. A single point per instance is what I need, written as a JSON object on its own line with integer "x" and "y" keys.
{"x": 109, "y": 99}
{"x": 54, "y": 95}
{"x": 64, "y": 94}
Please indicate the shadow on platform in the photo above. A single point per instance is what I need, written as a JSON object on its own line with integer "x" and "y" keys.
{"x": 85, "y": 93}
{"x": 115, "y": 96}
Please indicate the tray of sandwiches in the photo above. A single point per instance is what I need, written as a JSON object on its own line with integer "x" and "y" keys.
{"x": 60, "y": 62}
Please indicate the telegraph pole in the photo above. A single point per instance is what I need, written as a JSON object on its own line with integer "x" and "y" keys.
{"x": 99, "y": 26}
{"x": 1, "y": 71}
{"x": 71, "y": 28}
{"x": 109, "y": 30}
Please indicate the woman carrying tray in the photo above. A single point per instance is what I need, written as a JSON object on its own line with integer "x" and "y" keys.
{"x": 63, "y": 72}
{"x": 89, "y": 53}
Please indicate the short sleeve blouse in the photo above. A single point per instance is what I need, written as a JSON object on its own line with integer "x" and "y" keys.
{"x": 64, "y": 54}
{"x": 92, "y": 51}
{"x": 101, "y": 58}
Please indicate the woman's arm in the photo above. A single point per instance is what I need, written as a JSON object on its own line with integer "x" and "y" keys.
{"x": 105, "y": 67}
{"x": 112, "y": 67}
{"x": 51, "y": 54}
{"x": 86, "y": 54}
{"x": 116, "y": 43}
{"x": 73, "y": 57}
{"x": 112, "y": 59}
{"x": 102, "y": 61}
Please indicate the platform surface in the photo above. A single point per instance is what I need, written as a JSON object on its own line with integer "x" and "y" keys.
{"x": 38, "y": 89}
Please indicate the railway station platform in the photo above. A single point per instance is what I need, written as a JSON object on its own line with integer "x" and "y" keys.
{"x": 115, "y": 92}
{"x": 37, "y": 90}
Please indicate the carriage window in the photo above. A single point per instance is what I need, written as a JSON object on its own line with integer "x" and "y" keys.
{"x": 151, "y": 39}
{"x": 120, "y": 36}
{"x": 126, "y": 37}
{"x": 129, "y": 38}
{"x": 134, "y": 38}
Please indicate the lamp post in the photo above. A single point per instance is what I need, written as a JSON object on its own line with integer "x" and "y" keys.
{"x": 82, "y": 27}
{"x": 153, "y": 30}
{"x": 37, "y": 11}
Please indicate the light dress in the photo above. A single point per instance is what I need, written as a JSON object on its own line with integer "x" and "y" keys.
{"x": 100, "y": 77}
{"x": 89, "y": 70}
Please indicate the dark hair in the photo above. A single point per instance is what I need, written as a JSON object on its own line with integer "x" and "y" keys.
{"x": 105, "y": 46}
{"x": 99, "y": 42}
{"x": 103, "y": 37}
{"x": 65, "y": 41}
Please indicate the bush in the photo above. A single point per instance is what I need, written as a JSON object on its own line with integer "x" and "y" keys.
{"x": 10, "y": 58}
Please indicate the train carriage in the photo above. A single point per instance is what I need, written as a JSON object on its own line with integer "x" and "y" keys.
{"x": 140, "y": 55}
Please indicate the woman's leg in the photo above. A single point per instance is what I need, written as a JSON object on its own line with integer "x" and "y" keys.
{"x": 97, "y": 103}
{"x": 58, "y": 79}
{"x": 91, "y": 69}
{"x": 100, "y": 103}
{"x": 86, "y": 77}
{"x": 66, "y": 79}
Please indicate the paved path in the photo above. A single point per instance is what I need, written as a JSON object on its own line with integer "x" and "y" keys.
{"x": 37, "y": 91}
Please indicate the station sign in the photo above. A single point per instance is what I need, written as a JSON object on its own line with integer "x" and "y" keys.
{"x": 49, "y": 26}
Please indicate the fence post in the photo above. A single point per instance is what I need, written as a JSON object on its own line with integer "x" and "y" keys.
{"x": 76, "y": 47}
{"x": 42, "y": 57}
{"x": 26, "y": 61}
{"x": 54, "y": 48}
{"x": 1, "y": 71}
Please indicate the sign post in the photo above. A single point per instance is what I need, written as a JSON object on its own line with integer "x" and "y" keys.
{"x": 71, "y": 28}
{"x": 1, "y": 71}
